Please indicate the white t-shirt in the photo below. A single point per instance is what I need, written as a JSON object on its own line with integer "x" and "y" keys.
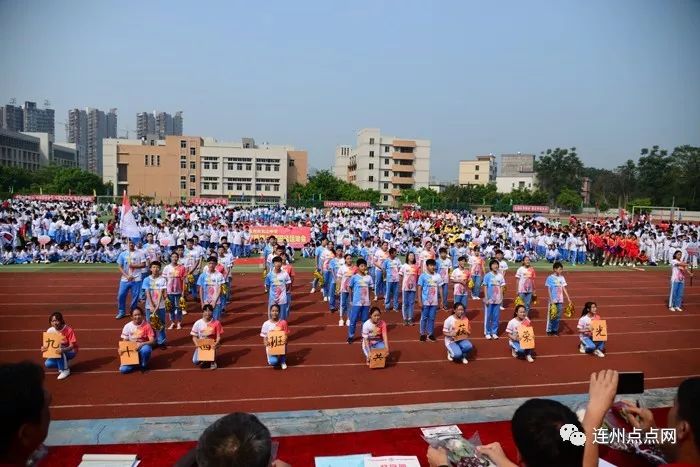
{"x": 449, "y": 326}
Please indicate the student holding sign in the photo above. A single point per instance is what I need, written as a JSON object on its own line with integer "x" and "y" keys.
{"x": 521, "y": 335}
{"x": 456, "y": 330}
{"x": 274, "y": 333}
{"x": 59, "y": 345}
{"x": 374, "y": 335}
{"x": 493, "y": 299}
{"x": 360, "y": 285}
{"x": 206, "y": 335}
{"x": 408, "y": 274}
{"x": 589, "y": 343}
{"x": 556, "y": 286}
{"x": 137, "y": 338}
{"x": 155, "y": 288}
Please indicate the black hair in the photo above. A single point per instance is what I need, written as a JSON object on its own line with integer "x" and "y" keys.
{"x": 517, "y": 308}
{"x": 275, "y": 305}
{"x": 443, "y": 249}
{"x": 155, "y": 263}
{"x": 137, "y": 308}
{"x": 212, "y": 258}
{"x": 57, "y": 314}
{"x": 492, "y": 262}
{"x": 414, "y": 257}
{"x": 535, "y": 427}
{"x": 209, "y": 307}
{"x": 22, "y": 399}
{"x": 277, "y": 259}
{"x": 373, "y": 309}
{"x": 587, "y": 308}
{"x": 557, "y": 265}
{"x": 236, "y": 440}
{"x": 430, "y": 262}
{"x": 392, "y": 251}
{"x": 360, "y": 262}
{"x": 457, "y": 304}
{"x": 462, "y": 258}
{"x": 346, "y": 255}
{"x": 688, "y": 401}
{"x": 498, "y": 252}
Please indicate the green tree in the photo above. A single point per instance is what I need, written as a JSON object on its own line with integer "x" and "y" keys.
{"x": 569, "y": 199}
{"x": 558, "y": 169}
{"x": 686, "y": 164}
{"x": 324, "y": 186}
{"x": 656, "y": 176}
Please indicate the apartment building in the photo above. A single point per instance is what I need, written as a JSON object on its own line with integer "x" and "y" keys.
{"x": 512, "y": 165}
{"x": 384, "y": 163}
{"x": 480, "y": 171}
{"x": 33, "y": 150}
{"x": 184, "y": 167}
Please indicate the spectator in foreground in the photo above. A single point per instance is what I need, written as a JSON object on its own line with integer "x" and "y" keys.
{"x": 24, "y": 411}
{"x": 536, "y": 425}
{"x": 684, "y": 416}
{"x": 235, "y": 440}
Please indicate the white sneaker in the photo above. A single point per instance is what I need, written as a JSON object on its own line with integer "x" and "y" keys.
{"x": 283, "y": 366}
{"x": 184, "y": 312}
{"x": 530, "y": 359}
{"x": 679, "y": 308}
{"x": 449, "y": 357}
{"x": 179, "y": 326}
{"x": 502, "y": 308}
{"x": 465, "y": 361}
{"x": 172, "y": 326}
{"x": 325, "y": 299}
{"x": 488, "y": 336}
{"x": 494, "y": 336}
{"x": 313, "y": 290}
{"x": 213, "y": 366}
{"x": 598, "y": 353}
{"x": 514, "y": 353}
{"x": 581, "y": 348}
{"x": 476, "y": 298}
{"x": 63, "y": 374}
{"x": 347, "y": 322}
{"x": 340, "y": 322}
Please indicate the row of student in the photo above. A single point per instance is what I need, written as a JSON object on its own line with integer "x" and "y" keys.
{"x": 374, "y": 336}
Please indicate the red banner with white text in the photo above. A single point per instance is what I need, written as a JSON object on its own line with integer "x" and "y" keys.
{"x": 295, "y": 236}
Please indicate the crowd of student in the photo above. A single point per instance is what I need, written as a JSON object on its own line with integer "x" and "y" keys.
{"x": 241, "y": 440}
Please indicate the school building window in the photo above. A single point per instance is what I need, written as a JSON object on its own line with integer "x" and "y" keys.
{"x": 193, "y": 192}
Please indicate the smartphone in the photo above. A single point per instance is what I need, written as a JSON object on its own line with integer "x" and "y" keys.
{"x": 630, "y": 382}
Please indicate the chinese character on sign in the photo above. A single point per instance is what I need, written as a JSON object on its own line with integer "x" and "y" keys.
{"x": 526, "y": 336}
{"x": 461, "y": 331}
{"x": 205, "y": 347}
{"x": 275, "y": 341}
{"x": 599, "y": 331}
{"x": 127, "y": 351}
{"x": 378, "y": 356}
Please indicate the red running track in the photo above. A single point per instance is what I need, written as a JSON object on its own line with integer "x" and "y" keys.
{"x": 324, "y": 371}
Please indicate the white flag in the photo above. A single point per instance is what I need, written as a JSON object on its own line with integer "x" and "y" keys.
{"x": 127, "y": 222}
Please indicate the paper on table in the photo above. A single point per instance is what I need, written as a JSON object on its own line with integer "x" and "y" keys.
{"x": 408, "y": 461}
{"x": 109, "y": 460}
{"x": 353, "y": 460}
{"x": 438, "y": 431}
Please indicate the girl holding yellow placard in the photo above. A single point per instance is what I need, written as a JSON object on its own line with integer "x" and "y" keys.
{"x": 588, "y": 345}
{"x": 138, "y": 330}
{"x": 67, "y": 345}
{"x": 519, "y": 319}
{"x": 374, "y": 334}
{"x": 456, "y": 330}
{"x": 206, "y": 328}
{"x": 274, "y": 324}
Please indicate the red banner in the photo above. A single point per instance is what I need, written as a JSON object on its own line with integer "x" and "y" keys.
{"x": 54, "y": 198}
{"x": 295, "y": 236}
{"x": 209, "y": 201}
{"x": 346, "y": 204}
{"x": 530, "y": 208}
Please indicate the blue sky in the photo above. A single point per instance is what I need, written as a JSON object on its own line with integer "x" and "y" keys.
{"x": 608, "y": 77}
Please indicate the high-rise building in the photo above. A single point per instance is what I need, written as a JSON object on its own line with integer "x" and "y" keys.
{"x": 111, "y": 123}
{"x": 164, "y": 124}
{"x": 12, "y": 118}
{"x": 177, "y": 123}
{"x": 38, "y": 120}
{"x": 185, "y": 167}
{"x": 160, "y": 124}
{"x": 145, "y": 124}
{"x": 77, "y": 134}
{"x": 384, "y": 163}
{"x": 96, "y": 131}
{"x": 480, "y": 171}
